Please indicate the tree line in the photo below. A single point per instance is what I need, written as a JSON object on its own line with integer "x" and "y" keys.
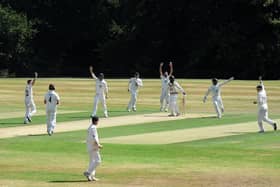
{"x": 203, "y": 38}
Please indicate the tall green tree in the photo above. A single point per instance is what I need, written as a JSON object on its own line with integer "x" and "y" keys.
{"x": 15, "y": 34}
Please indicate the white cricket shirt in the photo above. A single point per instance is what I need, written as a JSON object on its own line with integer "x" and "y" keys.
{"x": 134, "y": 84}
{"x": 92, "y": 137}
{"x": 51, "y": 99}
{"x": 28, "y": 92}
{"x": 164, "y": 82}
{"x": 175, "y": 87}
{"x": 101, "y": 87}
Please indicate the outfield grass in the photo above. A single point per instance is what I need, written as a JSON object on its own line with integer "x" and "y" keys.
{"x": 77, "y": 94}
{"x": 250, "y": 159}
{"x": 61, "y": 159}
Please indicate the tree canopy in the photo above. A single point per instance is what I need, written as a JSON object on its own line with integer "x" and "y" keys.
{"x": 203, "y": 38}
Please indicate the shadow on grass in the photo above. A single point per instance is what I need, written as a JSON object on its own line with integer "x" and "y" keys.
{"x": 38, "y": 135}
{"x": 10, "y": 123}
{"x": 69, "y": 181}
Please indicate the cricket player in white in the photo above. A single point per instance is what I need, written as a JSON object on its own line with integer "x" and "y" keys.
{"x": 174, "y": 88}
{"x": 215, "y": 89}
{"x": 133, "y": 85}
{"x": 164, "y": 97}
{"x": 101, "y": 92}
{"x": 30, "y": 107}
{"x": 93, "y": 147}
{"x": 263, "y": 107}
{"x": 51, "y": 100}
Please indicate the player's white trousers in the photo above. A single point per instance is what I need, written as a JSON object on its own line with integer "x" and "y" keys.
{"x": 263, "y": 116}
{"x": 51, "y": 120}
{"x": 173, "y": 107}
{"x": 133, "y": 99}
{"x": 218, "y": 105}
{"x": 94, "y": 159}
{"x": 30, "y": 108}
{"x": 99, "y": 98}
{"x": 164, "y": 99}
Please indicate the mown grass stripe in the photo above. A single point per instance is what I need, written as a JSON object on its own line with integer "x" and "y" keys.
{"x": 174, "y": 125}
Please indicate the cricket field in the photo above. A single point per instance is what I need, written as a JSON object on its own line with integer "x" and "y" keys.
{"x": 143, "y": 148}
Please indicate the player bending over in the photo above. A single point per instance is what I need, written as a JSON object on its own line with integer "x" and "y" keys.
{"x": 215, "y": 89}
{"x": 51, "y": 100}
{"x": 174, "y": 89}
{"x": 263, "y": 107}
{"x": 93, "y": 147}
{"x": 164, "y": 97}
{"x": 30, "y": 107}
{"x": 133, "y": 85}
{"x": 101, "y": 92}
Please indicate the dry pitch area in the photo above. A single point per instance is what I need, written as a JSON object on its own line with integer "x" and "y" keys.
{"x": 168, "y": 137}
{"x": 26, "y": 130}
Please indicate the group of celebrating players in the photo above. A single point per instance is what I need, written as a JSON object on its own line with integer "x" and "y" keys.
{"x": 168, "y": 102}
{"x": 170, "y": 89}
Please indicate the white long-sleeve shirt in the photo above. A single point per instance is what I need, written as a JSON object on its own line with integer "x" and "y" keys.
{"x": 134, "y": 84}
{"x": 175, "y": 88}
{"x": 215, "y": 90}
{"x": 92, "y": 137}
{"x": 52, "y": 99}
{"x": 164, "y": 82}
{"x": 28, "y": 92}
{"x": 262, "y": 98}
{"x": 101, "y": 87}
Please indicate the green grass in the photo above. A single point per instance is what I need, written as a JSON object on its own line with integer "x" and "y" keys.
{"x": 250, "y": 159}
{"x": 63, "y": 157}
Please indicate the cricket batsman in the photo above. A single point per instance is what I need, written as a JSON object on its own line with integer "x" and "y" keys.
{"x": 133, "y": 85}
{"x": 164, "y": 97}
{"x": 215, "y": 89}
{"x": 101, "y": 92}
{"x": 263, "y": 107}
{"x": 51, "y": 101}
{"x": 174, "y": 88}
{"x": 30, "y": 107}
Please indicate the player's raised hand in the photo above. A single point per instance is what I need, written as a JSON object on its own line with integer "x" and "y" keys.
{"x": 260, "y": 78}
{"x": 91, "y": 69}
{"x": 170, "y": 63}
{"x": 36, "y": 74}
{"x": 161, "y": 64}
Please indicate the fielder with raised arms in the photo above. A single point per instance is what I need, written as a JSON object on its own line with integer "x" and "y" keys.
{"x": 133, "y": 85}
{"x": 164, "y": 97}
{"x": 101, "y": 92}
{"x": 215, "y": 89}
{"x": 263, "y": 107}
{"x": 30, "y": 107}
{"x": 51, "y": 100}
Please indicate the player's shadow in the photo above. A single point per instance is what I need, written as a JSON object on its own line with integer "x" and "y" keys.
{"x": 9, "y": 123}
{"x": 37, "y": 135}
{"x": 69, "y": 181}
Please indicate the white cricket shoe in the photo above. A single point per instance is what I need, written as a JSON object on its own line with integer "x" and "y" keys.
{"x": 88, "y": 176}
